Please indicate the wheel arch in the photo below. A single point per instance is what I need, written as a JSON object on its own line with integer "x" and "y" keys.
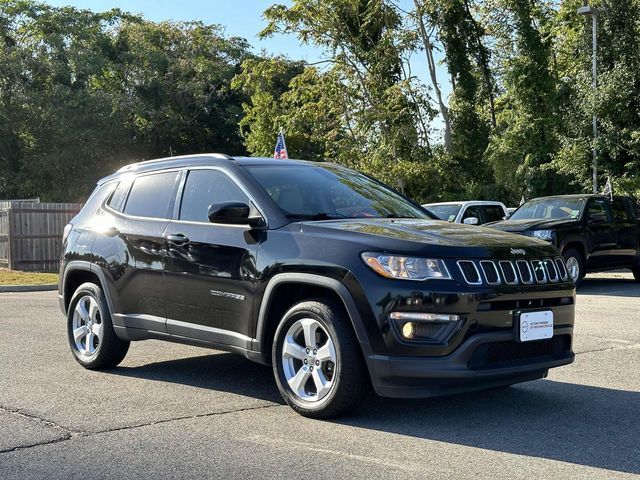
{"x": 78, "y": 272}
{"x": 303, "y": 285}
{"x": 576, "y": 245}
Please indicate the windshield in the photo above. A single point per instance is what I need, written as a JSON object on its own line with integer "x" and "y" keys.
{"x": 323, "y": 191}
{"x": 445, "y": 212}
{"x": 549, "y": 208}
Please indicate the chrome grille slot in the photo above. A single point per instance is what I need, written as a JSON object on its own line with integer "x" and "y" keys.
{"x": 539, "y": 271}
{"x": 470, "y": 272}
{"x": 490, "y": 271}
{"x": 508, "y": 272}
{"x": 550, "y": 268}
{"x": 524, "y": 269}
{"x": 562, "y": 269}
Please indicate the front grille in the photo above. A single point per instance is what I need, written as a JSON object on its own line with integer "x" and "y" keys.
{"x": 524, "y": 269}
{"x": 562, "y": 269}
{"x": 508, "y": 272}
{"x": 538, "y": 271}
{"x": 519, "y": 272}
{"x": 470, "y": 272}
{"x": 510, "y": 353}
{"x": 490, "y": 272}
{"x": 550, "y": 267}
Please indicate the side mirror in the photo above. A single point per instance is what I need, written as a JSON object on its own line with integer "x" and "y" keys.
{"x": 471, "y": 221}
{"x": 234, "y": 213}
{"x": 597, "y": 218}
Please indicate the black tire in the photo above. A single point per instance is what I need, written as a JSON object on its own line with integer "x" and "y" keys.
{"x": 571, "y": 254}
{"x": 636, "y": 272}
{"x": 349, "y": 386}
{"x": 109, "y": 349}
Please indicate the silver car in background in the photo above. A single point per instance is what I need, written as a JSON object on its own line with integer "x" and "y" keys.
{"x": 476, "y": 212}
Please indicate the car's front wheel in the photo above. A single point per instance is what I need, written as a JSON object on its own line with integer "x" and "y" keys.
{"x": 575, "y": 265}
{"x": 92, "y": 338}
{"x": 317, "y": 361}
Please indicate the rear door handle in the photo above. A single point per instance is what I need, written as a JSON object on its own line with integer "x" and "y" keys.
{"x": 177, "y": 239}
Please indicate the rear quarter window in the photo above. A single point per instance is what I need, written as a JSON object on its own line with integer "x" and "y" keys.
{"x": 152, "y": 195}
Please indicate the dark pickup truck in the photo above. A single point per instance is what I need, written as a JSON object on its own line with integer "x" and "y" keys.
{"x": 593, "y": 232}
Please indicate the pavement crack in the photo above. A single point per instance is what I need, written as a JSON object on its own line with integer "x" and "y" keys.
{"x": 185, "y": 417}
{"x": 67, "y": 433}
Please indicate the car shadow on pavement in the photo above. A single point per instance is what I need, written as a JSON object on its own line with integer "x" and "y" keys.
{"x": 579, "y": 424}
{"x": 615, "y": 287}
{"x": 222, "y": 371}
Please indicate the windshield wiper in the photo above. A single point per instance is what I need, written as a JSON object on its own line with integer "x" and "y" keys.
{"x": 315, "y": 216}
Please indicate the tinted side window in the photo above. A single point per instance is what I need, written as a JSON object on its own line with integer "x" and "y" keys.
{"x": 493, "y": 213}
{"x": 618, "y": 210}
{"x": 119, "y": 195}
{"x": 205, "y": 187}
{"x": 152, "y": 195}
{"x": 472, "y": 212}
{"x": 597, "y": 207}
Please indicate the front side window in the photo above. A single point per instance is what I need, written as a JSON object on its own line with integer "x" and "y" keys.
{"x": 445, "y": 212}
{"x": 471, "y": 212}
{"x": 204, "y": 188}
{"x": 324, "y": 191}
{"x": 152, "y": 195}
{"x": 549, "y": 208}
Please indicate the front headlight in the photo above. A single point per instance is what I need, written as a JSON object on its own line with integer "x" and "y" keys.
{"x": 542, "y": 234}
{"x": 406, "y": 268}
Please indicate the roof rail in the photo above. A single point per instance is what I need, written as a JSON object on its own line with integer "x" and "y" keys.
{"x": 136, "y": 165}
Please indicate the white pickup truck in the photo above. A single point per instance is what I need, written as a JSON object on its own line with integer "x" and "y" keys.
{"x": 471, "y": 212}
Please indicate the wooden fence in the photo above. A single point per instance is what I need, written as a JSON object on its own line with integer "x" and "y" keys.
{"x": 31, "y": 234}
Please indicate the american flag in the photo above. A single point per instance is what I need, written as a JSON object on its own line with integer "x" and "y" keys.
{"x": 281, "y": 147}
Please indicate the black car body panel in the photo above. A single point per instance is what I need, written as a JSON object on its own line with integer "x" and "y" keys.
{"x": 609, "y": 243}
{"x": 220, "y": 285}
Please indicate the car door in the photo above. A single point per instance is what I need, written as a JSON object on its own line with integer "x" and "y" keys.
{"x": 132, "y": 247}
{"x": 600, "y": 234}
{"x": 472, "y": 211}
{"x": 626, "y": 231}
{"x": 210, "y": 269}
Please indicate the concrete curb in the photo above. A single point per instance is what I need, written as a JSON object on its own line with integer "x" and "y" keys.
{"x": 28, "y": 288}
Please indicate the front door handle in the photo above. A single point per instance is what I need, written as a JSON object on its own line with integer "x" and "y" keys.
{"x": 177, "y": 239}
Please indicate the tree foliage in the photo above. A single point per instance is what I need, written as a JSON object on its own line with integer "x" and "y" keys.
{"x": 83, "y": 92}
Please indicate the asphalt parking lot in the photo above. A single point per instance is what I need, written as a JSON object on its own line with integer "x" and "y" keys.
{"x": 172, "y": 411}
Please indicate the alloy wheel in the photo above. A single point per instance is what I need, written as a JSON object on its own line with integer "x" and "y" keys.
{"x": 309, "y": 360}
{"x": 87, "y": 326}
{"x": 573, "y": 267}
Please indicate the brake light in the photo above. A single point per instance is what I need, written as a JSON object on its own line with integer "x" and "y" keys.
{"x": 67, "y": 230}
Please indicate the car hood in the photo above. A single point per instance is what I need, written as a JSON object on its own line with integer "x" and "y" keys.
{"x": 422, "y": 235}
{"x": 529, "y": 224}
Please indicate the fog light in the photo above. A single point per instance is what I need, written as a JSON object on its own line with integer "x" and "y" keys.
{"x": 407, "y": 330}
{"x": 425, "y": 326}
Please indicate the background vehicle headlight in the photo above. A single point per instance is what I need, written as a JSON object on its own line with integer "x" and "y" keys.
{"x": 406, "y": 268}
{"x": 542, "y": 234}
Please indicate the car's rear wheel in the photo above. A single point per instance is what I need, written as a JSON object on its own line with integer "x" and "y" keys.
{"x": 92, "y": 338}
{"x": 575, "y": 265}
{"x": 317, "y": 361}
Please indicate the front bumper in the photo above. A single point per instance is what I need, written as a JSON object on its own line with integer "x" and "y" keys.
{"x": 484, "y": 360}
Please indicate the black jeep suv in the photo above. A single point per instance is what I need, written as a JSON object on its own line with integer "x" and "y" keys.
{"x": 333, "y": 278}
{"x": 594, "y": 233}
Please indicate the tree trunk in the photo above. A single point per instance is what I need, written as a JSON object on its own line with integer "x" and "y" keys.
{"x": 428, "y": 49}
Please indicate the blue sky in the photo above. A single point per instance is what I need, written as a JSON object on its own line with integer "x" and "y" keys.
{"x": 242, "y": 18}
